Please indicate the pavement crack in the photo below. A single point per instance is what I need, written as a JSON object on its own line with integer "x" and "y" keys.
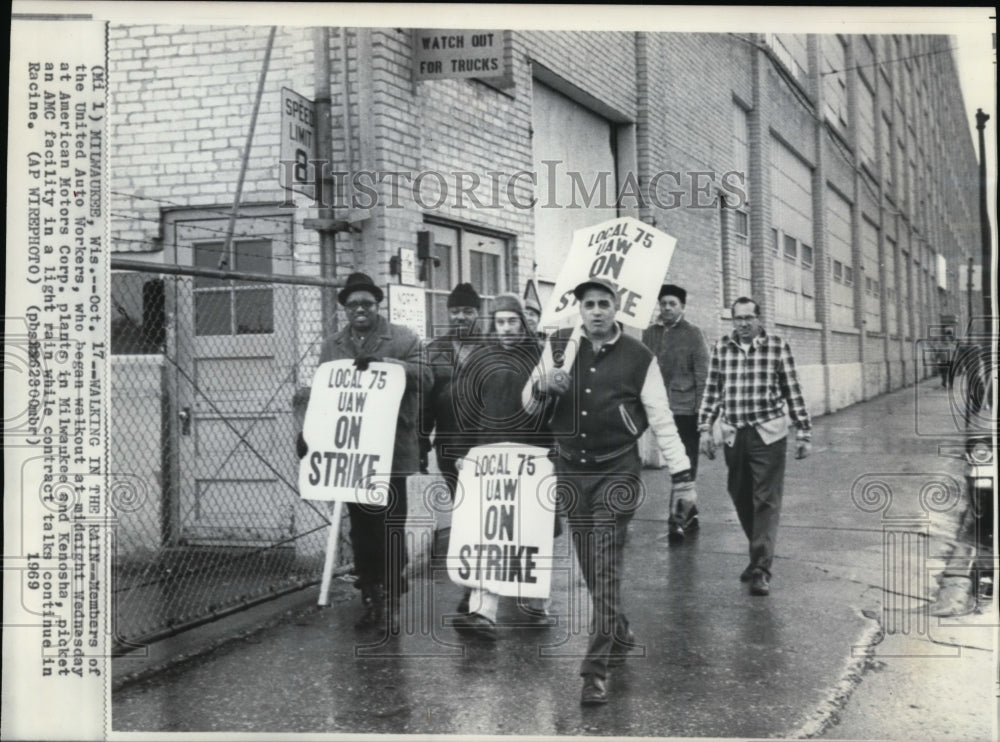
{"x": 827, "y": 714}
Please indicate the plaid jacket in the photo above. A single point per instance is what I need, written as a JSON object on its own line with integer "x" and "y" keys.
{"x": 752, "y": 388}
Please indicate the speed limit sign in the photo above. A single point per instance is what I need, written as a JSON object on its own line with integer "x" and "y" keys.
{"x": 298, "y": 143}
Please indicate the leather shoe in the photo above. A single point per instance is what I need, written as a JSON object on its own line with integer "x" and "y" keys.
{"x": 746, "y": 574}
{"x": 463, "y": 604}
{"x": 594, "y": 691}
{"x": 759, "y": 584}
{"x": 475, "y": 624}
{"x": 620, "y": 650}
{"x": 675, "y": 534}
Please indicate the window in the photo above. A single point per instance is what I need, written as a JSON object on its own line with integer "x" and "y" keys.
{"x": 228, "y": 307}
{"x": 870, "y": 261}
{"x": 791, "y": 50}
{"x": 792, "y": 230}
{"x": 839, "y": 245}
{"x": 834, "y": 62}
{"x": 904, "y": 293}
{"x": 885, "y": 155}
{"x": 866, "y": 125}
{"x": 465, "y": 256}
{"x": 739, "y": 239}
{"x": 890, "y": 286}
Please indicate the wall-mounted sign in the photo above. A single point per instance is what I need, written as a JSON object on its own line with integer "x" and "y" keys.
{"x": 298, "y": 143}
{"x": 408, "y": 307}
{"x": 445, "y": 53}
{"x": 942, "y": 272}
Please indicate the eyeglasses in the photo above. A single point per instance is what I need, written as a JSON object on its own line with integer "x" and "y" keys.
{"x": 743, "y": 318}
{"x": 353, "y": 306}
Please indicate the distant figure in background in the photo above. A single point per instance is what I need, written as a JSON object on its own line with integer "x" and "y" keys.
{"x": 680, "y": 349}
{"x": 533, "y": 315}
{"x": 441, "y": 399}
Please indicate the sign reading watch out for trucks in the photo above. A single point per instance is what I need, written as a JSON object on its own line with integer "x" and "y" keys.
{"x": 298, "y": 142}
{"x": 442, "y": 53}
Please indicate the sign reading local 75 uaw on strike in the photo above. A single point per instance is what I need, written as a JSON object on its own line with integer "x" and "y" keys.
{"x": 350, "y": 432}
{"x": 501, "y": 527}
{"x": 449, "y": 53}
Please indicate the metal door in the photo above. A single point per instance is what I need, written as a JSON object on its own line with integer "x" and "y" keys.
{"x": 235, "y": 376}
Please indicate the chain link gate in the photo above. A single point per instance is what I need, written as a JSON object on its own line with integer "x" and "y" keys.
{"x": 204, "y": 415}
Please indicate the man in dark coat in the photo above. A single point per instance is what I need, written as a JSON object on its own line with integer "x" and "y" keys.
{"x": 378, "y": 534}
{"x": 680, "y": 350}
{"x": 442, "y": 401}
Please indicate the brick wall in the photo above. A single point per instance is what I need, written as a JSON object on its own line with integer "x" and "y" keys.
{"x": 182, "y": 96}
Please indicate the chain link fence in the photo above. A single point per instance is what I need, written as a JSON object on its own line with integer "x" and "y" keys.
{"x": 204, "y": 416}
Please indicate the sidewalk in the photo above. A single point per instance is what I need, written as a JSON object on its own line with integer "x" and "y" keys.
{"x": 843, "y": 648}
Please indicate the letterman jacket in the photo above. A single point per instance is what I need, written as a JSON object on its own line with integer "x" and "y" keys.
{"x": 614, "y": 395}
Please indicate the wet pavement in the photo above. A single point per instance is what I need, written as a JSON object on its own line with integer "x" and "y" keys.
{"x": 855, "y": 566}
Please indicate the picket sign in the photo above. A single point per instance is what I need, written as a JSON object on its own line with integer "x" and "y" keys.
{"x": 501, "y": 527}
{"x": 350, "y": 448}
{"x": 632, "y": 255}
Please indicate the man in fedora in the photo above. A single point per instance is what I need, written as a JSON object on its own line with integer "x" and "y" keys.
{"x": 378, "y": 533}
{"x": 601, "y": 407}
{"x": 680, "y": 350}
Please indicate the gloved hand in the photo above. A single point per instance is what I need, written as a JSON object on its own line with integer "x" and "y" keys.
{"x": 301, "y": 447}
{"x": 802, "y": 449}
{"x": 707, "y": 445}
{"x": 361, "y": 362}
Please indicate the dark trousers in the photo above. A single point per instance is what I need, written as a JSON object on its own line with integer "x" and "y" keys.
{"x": 599, "y": 502}
{"x": 756, "y": 481}
{"x": 378, "y": 539}
{"x": 687, "y": 428}
{"x": 446, "y": 464}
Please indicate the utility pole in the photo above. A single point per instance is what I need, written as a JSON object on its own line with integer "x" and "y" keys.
{"x": 984, "y": 219}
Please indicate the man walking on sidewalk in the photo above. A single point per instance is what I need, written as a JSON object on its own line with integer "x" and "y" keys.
{"x": 602, "y": 405}
{"x": 752, "y": 383}
{"x": 680, "y": 350}
{"x": 378, "y": 534}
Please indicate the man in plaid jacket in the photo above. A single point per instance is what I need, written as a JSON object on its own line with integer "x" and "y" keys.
{"x": 752, "y": 383}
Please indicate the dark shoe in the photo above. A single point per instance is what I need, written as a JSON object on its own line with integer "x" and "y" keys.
{"x": 746, "y": 574}
{"x": 463, "y": 604}
{"x": 474, "y": 624}
{"x": 759, "y": 584}
{"x": 620, "y": 650}
{"x": 594, "y": 691}
{"x": 691, "y": 524}
{"x": 373, "y": 602}
{"x": 675, "y": 534}
{"x": 537, "y": 616}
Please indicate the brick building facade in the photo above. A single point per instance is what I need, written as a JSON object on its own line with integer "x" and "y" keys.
{"x": 859, "y": 169}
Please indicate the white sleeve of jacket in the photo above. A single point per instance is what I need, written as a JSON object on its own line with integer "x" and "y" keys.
{"x": 661, "y": 420}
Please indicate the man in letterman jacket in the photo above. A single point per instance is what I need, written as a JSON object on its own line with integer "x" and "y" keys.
{"x": 601, "y": 407}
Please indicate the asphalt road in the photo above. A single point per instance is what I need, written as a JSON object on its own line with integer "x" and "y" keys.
{"x": 843, "y": 647}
